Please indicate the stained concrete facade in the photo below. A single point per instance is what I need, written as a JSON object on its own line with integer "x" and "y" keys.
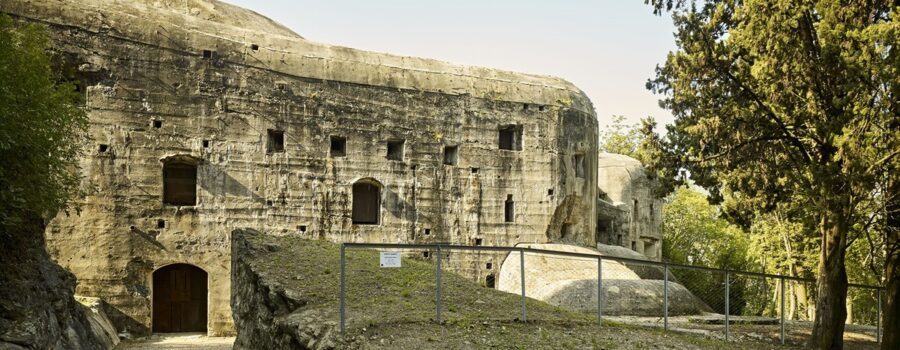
{"x": 628, "y": 213}
{"x": 209, "y": 85}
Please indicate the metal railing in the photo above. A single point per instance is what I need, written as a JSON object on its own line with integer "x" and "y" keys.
{"x": 669, "y": 270}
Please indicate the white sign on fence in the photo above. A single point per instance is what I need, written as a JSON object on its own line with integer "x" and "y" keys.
{"x": 390, "y": 259}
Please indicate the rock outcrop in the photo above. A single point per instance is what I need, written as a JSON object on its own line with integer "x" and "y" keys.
{"x": 37, "y": 305}
{"x": 266, "y": 312}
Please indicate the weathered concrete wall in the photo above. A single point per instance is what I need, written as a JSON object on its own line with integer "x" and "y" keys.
{"x": 207, "y": 80}
{"x": 571, "y": 282}
{"x": 629, "y": 214}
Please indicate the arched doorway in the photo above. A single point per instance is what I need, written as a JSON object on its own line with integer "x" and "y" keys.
{"x": 366, "y": 202}
{"x": 179, "y": 299}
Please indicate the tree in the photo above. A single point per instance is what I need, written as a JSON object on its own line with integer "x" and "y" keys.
{"x": 784, "y": 101}
{"x": 41, "y": 128}
{"x": 627, "y": 139}
{"x": 694, "y": 233}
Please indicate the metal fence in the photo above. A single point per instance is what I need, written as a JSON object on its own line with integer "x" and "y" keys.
{"x": 718, "y": 302}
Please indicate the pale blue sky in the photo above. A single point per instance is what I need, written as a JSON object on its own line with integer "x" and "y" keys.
{"x": 608, "y": 48}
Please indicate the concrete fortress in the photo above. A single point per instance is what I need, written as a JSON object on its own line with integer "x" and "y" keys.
{"x": 206, "y": 117}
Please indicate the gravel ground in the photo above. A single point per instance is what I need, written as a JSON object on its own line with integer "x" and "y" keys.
{"x": 194, "y": 341}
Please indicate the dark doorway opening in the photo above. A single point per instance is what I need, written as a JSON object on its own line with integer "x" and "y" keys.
{"x": 179, "y": 299}
{"x": 366, "y": 203}
{"x": 490, "y": 281}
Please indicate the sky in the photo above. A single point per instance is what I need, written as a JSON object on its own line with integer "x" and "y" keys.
{"x": 608, "y": 48}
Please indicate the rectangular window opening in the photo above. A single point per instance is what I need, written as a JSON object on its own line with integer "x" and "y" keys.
{"x": 510, "y": 137}
{"x": 509, "y": 209}
{"x": 450, "y": 155}
{"x": 338, "y": 146}
{"x": 427, "y": 231}
{"x": 208, "y": 54}
{"x": 488, "y": 266}
{"x": 275, "y": 142}
{"x": 180, "y": 184}
{"x": 205, "y": 143}
{"x": 103, "y": 148}
{"x": 474, "y": 170}
{"x": 157, "y": 124}
{"x": 395, "y": 150}
{"x": 478, "y": 241}
{"x": 160, "y": 223}
{"x": 301, "y": 228}
{"x": 254, "y": 47}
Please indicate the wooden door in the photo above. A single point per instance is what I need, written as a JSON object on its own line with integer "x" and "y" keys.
{"x": 179, "y": 299}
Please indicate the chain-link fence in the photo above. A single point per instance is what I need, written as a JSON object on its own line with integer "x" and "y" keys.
{"x": 579, "y": 284}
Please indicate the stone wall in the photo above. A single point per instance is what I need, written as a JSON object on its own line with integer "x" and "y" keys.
{"x": 206, "y": 82}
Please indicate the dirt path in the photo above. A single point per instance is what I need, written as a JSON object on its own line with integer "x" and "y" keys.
{"x": 178, "y": 341}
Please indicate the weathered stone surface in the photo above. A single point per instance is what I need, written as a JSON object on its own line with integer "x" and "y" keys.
{"x": 543, "y": 271}
{"x": 204, "y": 82}
{"x": 628, "y": 213}
{"x": 626, "y": 297}
{"x": 37, "y": 307}
{"x": 571, "y": 282}
{"x": 267, "y": 313}
{"x": 95, "y": 311}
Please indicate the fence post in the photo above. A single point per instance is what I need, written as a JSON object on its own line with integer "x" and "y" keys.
{"x": 599, "y": 291}
{"x": 878, "y": 321}
{"x": 727, "y": 299}
{"x": 522, "y": 272}
{"x": 343, "y": 289}
{"x": 666, "y": 296}
{"x": 437, "y": 293}
{"x": 782, "y": 310}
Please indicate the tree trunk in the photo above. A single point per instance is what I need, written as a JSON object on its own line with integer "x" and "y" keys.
{"x": 890, "y": 297}
{"x": 831, "y": 285}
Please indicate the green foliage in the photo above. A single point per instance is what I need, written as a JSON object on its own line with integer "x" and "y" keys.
{"x": 621, "y": 138}
{"x": 779, "y": 245}
{"x": 41, "y": 127}
{"x": 695, "y": 234}
{"x": 632, "y": 140}
{"x": 782, "y": 102}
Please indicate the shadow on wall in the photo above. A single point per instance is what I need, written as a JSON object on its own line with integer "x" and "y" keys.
{"x": 124, "y": 323}
{"x": 565, "y": 216}
{"x": 398, "y": 206}
{"x": 219, "y": 183}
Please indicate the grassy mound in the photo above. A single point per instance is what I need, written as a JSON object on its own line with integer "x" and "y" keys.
{"x": 395, "y": 307}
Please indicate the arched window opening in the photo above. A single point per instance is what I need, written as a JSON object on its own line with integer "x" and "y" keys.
{"x": 179, "y": 183}
{"x": 509, "y": 209}
{"x": 366, "y": 203}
